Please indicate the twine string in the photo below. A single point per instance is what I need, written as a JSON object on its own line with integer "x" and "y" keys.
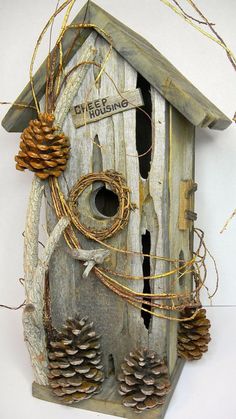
{"x": 136, "y": 299}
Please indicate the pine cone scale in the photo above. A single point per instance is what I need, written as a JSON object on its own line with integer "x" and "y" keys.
{"x": 147, "y": 390}
{"x": 129, "y": 401}
{"x": 139, "y": 397}
{"x": 151, "y": 402}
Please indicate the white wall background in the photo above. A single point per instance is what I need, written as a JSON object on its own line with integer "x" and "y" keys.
{"x": 206, "y": 389}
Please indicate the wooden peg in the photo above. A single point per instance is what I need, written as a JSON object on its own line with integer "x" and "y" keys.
{"x": 186, "y": 204}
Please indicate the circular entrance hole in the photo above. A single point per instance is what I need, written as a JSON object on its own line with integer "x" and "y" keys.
{"x": 106, "y": 202}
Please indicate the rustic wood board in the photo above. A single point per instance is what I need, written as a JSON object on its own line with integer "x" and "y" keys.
{"x": 181, "y": 167}
{"x": 70, "y": 293}
{"x": 86, "y": 113}
{"x": 109, "y": 401}
{"x": 144, "y": 58}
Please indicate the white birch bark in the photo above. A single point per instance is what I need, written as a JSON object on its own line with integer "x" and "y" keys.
{"x": 35, "y": 270}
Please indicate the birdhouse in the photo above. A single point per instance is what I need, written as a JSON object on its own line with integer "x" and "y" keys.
{"x": 111, "y": 299}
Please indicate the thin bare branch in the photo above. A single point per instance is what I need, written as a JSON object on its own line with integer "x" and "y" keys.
{"x": 215, "y": 37}
{"x": 201, "y": 22}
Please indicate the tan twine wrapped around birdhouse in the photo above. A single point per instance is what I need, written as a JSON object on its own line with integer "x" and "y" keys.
{"x": 194, "y": 266}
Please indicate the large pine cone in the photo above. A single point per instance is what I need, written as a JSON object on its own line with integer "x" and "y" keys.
{"x": 75, "y": 369}
{"x": 144, "y": 380}
{"x": 43, "y": 150}
{"x": 193, "y": 335}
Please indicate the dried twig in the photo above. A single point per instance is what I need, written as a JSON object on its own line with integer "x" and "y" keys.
{"x": 13, "y": 308}
{"x": 216, "y": 38}
{"x": 228, "y": 221}
{"x": 201, "y": 22}
{"x": 230, "y": 55}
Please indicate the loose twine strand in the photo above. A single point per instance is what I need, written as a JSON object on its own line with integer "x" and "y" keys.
{"x": 21, "y": 280}
{"x": 228, "y": 221}
{"x": 189, "y": 19}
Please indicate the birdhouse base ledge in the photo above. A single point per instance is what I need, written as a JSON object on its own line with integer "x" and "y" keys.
{"x": 109, "y": 401}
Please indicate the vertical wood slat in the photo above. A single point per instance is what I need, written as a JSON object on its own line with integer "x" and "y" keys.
{"x": 159, "y": 208}
{"x": 70, "y": 293}
{"x": 181, "y": 166}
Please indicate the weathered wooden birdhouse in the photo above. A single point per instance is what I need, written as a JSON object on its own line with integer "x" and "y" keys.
{"x": 112, "y": 303}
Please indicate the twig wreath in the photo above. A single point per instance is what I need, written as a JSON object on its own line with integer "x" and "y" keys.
{"x": 118, "y": 185}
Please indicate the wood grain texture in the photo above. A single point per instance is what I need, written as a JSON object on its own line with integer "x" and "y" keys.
{"x": 73, "y": 84}
{"x": 186, "y": 203}
{"x": 32, "y": 317}
{"x": 116, "y": 136}
{"x": 160, "y": 73}
{"x": 181, "y": 167}
{"x": 86, "y": 113}
{"x": 157, "y": 210}
{"x": 35, "y": 269}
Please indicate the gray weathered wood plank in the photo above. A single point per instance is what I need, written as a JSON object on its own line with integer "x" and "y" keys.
{"x": 181, "y": 167}
{"x": 158, "y": 211}
{"x": 86, "y": 113}
{"x": 116, "y": 136}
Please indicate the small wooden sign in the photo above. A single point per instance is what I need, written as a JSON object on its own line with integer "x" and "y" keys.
{"x": 102, "y": 108}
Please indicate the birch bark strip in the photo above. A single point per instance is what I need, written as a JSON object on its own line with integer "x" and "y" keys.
{"x": 35, "y": 268}
{"x": 34, "y": 332}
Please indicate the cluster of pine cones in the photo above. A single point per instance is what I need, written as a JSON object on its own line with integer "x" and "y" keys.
{"x": 43, "y": 149}
{"x": 193, "y": 335}
{"x": 75, "y": 367}
{"x": 76, "y": 371}
{"x": 144, "y": 380}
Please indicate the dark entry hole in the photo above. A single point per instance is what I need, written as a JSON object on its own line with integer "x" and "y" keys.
{"x": 146, "y": 248}
{"x": 181, "y": 268}
{"x": 144, "y": 127}
{"x": 111, "y": 365}
{"x": 106, "y": 202}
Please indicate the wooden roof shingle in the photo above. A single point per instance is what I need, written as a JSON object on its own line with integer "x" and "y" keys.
{"x": 146, "y": 60}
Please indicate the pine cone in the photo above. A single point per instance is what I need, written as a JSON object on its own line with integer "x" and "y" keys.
{"x": 75, "y": 369}
{"x": 144, "y": 380}
{"x": 42, "y": 149}
{"x": 193, "y": 335}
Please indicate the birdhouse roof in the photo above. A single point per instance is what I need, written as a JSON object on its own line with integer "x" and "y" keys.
{"x": 140, "y": 54}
